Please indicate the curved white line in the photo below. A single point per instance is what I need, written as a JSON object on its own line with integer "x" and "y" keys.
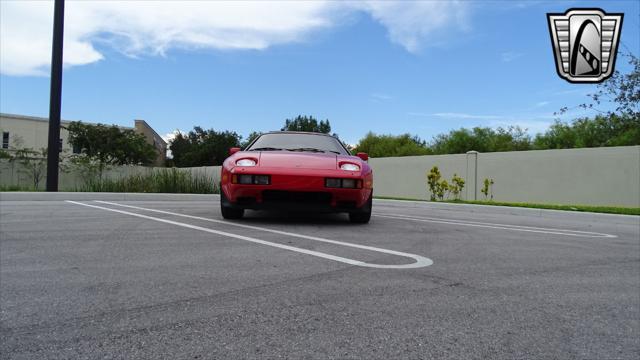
{"x": 420, "y": 261}
{"x": 499, "y": 226}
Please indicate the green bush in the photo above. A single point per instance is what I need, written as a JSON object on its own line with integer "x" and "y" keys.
{"x": 441, "y": 188}
{"x": 487, "y": 188}
{"x": 457, "y": 184}
{"x": 156, "y": 181}
{"x": 433, "y": 181}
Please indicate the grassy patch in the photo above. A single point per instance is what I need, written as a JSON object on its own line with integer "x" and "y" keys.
{"x": 158, "y": 181}
{"x": 16, "y": 188}
{"x": 579, "y": 208}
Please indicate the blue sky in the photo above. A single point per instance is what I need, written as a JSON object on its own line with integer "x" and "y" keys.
{"x": 418, "y": 67}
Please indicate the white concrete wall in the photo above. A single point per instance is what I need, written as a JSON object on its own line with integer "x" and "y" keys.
{"x": 10, "y": 174}
{"x": 69, "y": 181}
{"x": 595, "y": 176}
{"x": 212, "y": 172}
{"x": 407, "y": 176}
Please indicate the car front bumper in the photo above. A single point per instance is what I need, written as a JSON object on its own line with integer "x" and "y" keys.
{"x": 296, "y": 189}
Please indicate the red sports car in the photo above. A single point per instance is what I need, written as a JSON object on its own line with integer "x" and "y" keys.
{"x": 296, "y": 171}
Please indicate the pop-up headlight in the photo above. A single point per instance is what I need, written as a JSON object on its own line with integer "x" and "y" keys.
{"x": 246, "y": 162}
{"x": 350, "y": 167}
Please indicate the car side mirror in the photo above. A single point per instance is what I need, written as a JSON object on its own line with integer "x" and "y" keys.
{"x": 363, "y": 156}
{"x": 233, "y": 150}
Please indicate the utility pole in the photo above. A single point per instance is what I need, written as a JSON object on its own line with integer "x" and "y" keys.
{"x": 55, "y": 100}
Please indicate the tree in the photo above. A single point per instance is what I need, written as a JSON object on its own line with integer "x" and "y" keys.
{"x": 603, "y": 130}
{"x": 617, "y": 127}
{"x": 110, "y": 145}
{"x": 482, "y": 139}
{"x": 4, "y": 155}
{"x": 88, "y": 168}
{"x": 252, "y": 136}
{"x": 33, "y": 164}
{"x": 202, "y": 147}
{"x": 307, "y": 123}
{"x": 390, "y": 145}
{"x": 622, "y": 91}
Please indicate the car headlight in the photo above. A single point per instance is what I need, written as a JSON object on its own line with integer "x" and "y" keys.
{"x": 350, "y": 167}
{"x": 246, "y": 162}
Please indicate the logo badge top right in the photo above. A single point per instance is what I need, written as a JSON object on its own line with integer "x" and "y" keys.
{"x": 585, "y": 44}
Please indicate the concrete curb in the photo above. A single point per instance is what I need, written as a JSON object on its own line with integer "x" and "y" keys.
{"x": 498, "y": 209}
{"x": 83, "y": 196}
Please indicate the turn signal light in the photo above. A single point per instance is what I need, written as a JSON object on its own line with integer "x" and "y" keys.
{"x": 251, "y": 179}
{"x": 343, "y": 183}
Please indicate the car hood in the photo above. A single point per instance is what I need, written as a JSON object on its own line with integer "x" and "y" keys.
{"x": 300, "y": 160}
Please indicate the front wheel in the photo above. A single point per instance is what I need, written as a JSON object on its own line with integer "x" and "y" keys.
{"x": 364, "y": 215}
{"x": 227, "y": 211}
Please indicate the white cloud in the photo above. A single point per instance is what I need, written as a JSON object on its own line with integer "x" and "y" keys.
{"x": 138, "y": 28}
{"x": 451, "y": 115}
{"x": 170, "y": 136}
{"x": 509, "y": 56}
{"x": 381, "y": 97}
{"x": 416, "y": 23}
{"x": 533, "y": 122}
{"x": 25, "y": 39}
{"x": 580, "y": 91}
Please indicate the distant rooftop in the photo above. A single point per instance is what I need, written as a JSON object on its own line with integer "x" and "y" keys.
{"x": 37, "y": 118}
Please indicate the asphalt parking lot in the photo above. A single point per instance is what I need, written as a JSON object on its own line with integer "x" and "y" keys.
{"x": 164, "y": 277}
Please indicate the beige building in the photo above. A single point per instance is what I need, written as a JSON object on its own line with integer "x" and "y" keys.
{"x": 19, "y": 131}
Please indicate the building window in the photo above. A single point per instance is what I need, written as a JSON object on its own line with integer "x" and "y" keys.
{"x": 77, "y": 149}
{"x": 60, "y": 145}
{"x": 5, "y": 140}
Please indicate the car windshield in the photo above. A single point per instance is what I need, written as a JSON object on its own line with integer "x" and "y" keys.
{"x": 298, "y": 142}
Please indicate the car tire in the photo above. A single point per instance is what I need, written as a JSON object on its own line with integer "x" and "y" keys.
{"x": 364, "y": 215}
{"x": 227, "y": 211}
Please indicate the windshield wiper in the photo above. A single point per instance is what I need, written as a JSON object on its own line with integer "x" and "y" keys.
{"x": 266, "y": 149}
{"x": 306, "y": 149}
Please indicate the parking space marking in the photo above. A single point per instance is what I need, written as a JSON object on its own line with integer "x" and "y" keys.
{"x": 420, "y": 261}
{"x": 499, "y": 226}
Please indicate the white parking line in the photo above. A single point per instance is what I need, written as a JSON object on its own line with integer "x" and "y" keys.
{"x": 498, "y": 226}
{"x": 420, "y": 261}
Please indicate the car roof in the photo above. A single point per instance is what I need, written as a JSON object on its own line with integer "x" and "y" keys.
{"x": 301, "y": 133}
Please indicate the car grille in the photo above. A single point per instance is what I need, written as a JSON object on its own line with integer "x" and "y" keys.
{"x": 309, "y": 197}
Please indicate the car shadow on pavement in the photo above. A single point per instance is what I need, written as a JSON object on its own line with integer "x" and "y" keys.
{"x": 297, "y": 217}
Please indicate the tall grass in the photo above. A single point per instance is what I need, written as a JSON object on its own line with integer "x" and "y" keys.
{"x": 17, "y": 188}
{"x": 156, "y": 181}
